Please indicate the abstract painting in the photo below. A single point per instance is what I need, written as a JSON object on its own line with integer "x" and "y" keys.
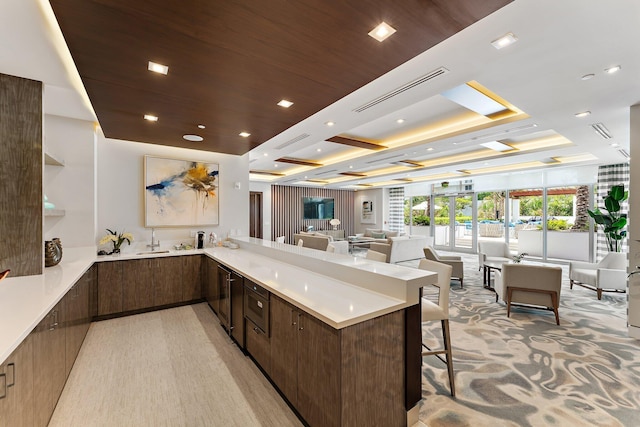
{"x": 180, "y": 192}
{"x": 368, "y": 215}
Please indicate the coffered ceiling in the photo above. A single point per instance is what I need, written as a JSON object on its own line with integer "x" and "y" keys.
{"x": 394, "y": 117}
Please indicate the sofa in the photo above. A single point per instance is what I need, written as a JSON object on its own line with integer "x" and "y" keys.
{"x": 321, "y": 242}
{"x": 378, "y": 235}
{"x": 608, "y": 275}
{"x": 402, "y": 248}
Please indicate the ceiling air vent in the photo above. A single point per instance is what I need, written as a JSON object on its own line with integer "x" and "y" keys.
{"x": 292, "y": 141}
{"x": 624, "y": 153}
{"x": 430, "y": 76}
{"x": 602, "y": 130}
{"x": 327, "y": 172}
{"x": 385, "y": 159}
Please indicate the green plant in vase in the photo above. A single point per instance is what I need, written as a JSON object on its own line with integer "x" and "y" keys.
{"x": 613, "y": 221}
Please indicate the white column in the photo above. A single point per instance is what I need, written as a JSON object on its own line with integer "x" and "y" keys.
{"x": 634, "y": 223}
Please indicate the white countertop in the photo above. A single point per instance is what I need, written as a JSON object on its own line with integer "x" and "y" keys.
{"x": 24, "y": 301}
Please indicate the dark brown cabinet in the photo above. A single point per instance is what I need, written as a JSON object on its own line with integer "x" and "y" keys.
{"x": 167, "y": 281}
{"x": 16, "y": 387}
{"x": 49, "y": 350}
{"x": 305, "y": 363}
{"x": 236, "y": 295}
{"x": 212, "y": 291}
{"x": 191, "y": 277}
{"x": 259, "y": 347}
{"x": 139, "y": 284}
{"x": 76, "y": 317}
{"x": 110, "y": 289}
{"x": 137, "y": 288}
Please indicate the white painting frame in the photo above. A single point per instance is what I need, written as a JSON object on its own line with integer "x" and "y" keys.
{"x": 367, "y": 212}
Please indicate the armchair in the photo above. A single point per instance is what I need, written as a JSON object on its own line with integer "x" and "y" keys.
{"x": 608, "y": 275}
{"x": 535, "y": 285}
{"x": 454, "y": 261}
{"x": 494, "y": 252}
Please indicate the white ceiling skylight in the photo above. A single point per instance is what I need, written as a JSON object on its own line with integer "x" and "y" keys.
{"x": 474, "y": 100}
{"x": 497, "y": 146}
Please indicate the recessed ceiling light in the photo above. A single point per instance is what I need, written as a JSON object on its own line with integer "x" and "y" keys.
{"x": 319, "y": 150}
{"x": 400, "y": 121}
{"x": 244, "y": 134}
{"x": 382, "y": 31}
{"x": 265, "y": 154}
{"x": 430, "y": 149}
{"x": 158, "y": 68}
{"x": 151, "y": 118}
{"x": 350, "y": 166}
{"x": 613, "y": 69}
{"x": 329, "y": 124}
{"x": 193, "y": 138}
{"x": 201, "y": 126}
{"x": 615, "y": 144}
{"x": 583, "y": 114}
{"x": 587, "y": 76}
{"x": 275, "y": 165}
{"x": 284, "y": 103}
{"x": 504, "y": 41}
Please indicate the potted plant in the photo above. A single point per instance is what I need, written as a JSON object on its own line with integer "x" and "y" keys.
{"x": 613, "y": 221}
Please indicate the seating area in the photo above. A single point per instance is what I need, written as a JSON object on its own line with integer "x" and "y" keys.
{"x": 455, "y": 261}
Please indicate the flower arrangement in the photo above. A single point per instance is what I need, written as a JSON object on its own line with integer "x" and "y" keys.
{"x": 519, "y": 257}
{"x": 335, "y": 222}
{"x": 117, "y": 239}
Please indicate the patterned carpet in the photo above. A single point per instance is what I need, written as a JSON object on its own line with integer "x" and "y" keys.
{"x": 527, "y": 371}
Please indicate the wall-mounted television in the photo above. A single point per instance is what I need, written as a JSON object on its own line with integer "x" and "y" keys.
{"x": 317, "y": 207}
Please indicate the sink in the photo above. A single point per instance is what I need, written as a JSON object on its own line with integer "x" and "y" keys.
{"x": 152, "y": 252}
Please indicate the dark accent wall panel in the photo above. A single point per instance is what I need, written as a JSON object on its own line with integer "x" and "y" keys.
{"x": 21, "y": 245}
{"x": 286, "y": 210}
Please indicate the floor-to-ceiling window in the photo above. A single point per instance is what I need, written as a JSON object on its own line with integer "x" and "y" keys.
{"x": 417, "y": 215}
{"x": 525, "y": 221}
{"x": 453, "y": 217}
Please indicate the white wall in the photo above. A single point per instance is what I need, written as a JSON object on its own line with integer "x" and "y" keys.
{"x": 377, "y": 196}
{"x": 265, "y": 189}
{"x": 121, "y": 191}
{"x": 70, "y": 187}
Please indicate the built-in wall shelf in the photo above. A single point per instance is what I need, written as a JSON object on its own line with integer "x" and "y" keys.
{"x": 54, "y": 212}
{"x": 50, "y": 159}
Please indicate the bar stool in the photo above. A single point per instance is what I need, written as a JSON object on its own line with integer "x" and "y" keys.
{"x": 440, "y": 311}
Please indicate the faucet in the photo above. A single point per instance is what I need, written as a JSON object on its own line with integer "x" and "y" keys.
{"x": 153, "y": 244}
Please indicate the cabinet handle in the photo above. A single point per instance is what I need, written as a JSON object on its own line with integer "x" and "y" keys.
{"x": 53, "y": 325}
{"x": 13, "y": 374}
{"x": 300, "y": 326}
{"x": 3, "y": 377}
{"x": 293, "y": 322}
{"x": 256, "y": 330}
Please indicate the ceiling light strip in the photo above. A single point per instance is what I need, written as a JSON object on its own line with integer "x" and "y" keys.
{"x": 301, "y": 162}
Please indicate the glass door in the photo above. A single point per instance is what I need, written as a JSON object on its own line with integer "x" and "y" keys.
{"x": 453, "y": 219}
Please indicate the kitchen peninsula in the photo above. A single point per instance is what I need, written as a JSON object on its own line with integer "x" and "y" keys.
{"x": 343, "y": 342}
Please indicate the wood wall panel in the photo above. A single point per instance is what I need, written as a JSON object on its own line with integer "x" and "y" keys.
{"x": 286, "y": 210}
{"x": 21, "y": 176}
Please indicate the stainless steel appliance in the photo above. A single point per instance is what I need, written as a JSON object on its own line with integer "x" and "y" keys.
{"x": 256, "y": 305}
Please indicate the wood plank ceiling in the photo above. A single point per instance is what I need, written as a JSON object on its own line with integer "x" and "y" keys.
{"x": 230, "y": 62}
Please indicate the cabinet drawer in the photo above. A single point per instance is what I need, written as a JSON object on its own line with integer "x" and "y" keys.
{"x": 258, "y": 346}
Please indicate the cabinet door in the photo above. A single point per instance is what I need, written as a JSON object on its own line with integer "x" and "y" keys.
{"x": 213, "y": 290}
{"x": 167, "y": 281}
{"x": 76, "y": 306}
{"x": 16, "y": 408}
{"x": 318, "y": 372}
{"x": 237, "y": 308}
{"x": 192, "y": 277}
{"x": 48, "y": 365}
{"x": 109, "y": 287}
{"x": 137, "y": 288}
{"x": 224, "y": 280}
{"x": 284, "y": 349}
